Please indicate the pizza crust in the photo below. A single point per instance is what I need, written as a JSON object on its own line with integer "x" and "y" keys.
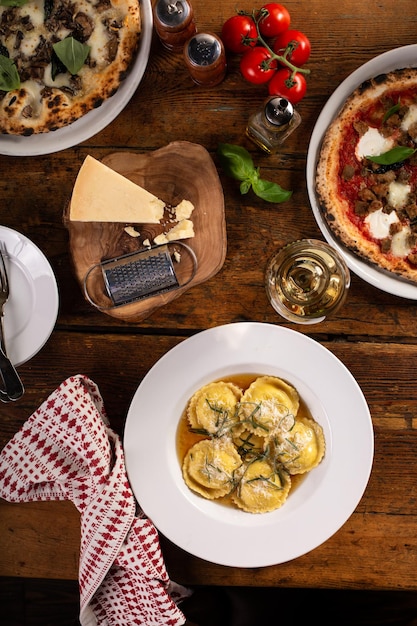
{"x": 337, "y": 209}
{"x": 110, "y": 27}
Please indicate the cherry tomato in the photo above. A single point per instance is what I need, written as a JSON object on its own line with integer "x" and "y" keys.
{"x": 239, "y": 33}
{"x": 300, "y": 45}
{"x": 276, "y": 21}
{"x": 284, "y": 84}
{"x": 257, "y": 65}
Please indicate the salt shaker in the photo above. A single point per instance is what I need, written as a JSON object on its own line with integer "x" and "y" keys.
{"x": 174, "y": 23}
{"x": 270, "y": 125}
{"x": 205, "y": 58}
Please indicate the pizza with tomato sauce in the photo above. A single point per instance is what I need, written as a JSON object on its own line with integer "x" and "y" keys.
{"x": 366, "y": 181}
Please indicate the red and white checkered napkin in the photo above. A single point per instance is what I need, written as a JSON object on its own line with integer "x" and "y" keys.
{"x": 66, "y": 451}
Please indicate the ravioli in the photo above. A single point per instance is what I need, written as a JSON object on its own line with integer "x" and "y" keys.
{"x": 266, "y": 403}
{"x": 213, "y": 408}
{"x": 262, "y": 488}
{"x": 243, "y": 443}
{"x": 302, "y": 448}
{"x": 248, "y": 444}
{"x": 209, "y": 467}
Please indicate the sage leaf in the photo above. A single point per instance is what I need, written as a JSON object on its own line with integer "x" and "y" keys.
{"x": 9, "y": 76}
{"x": 395, "y": 155}
{"x": 72, "y": 54}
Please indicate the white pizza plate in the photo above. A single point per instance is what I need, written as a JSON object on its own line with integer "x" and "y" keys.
{"x": 94, "y": 121}
{"x": 405, "y": 56}
{"x": 320, "y": 504}
{"x": 32, "y": 308}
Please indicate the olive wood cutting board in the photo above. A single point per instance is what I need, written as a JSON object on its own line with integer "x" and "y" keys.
{"x": 179, "y": 171}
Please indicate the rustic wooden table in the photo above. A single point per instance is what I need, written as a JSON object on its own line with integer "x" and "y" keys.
{"x": 374, "y": 335}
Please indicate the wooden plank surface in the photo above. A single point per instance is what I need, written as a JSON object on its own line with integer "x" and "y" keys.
{"x": 374, "y": 334}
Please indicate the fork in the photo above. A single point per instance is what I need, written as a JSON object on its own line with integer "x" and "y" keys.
{"x": 13, "y": 387}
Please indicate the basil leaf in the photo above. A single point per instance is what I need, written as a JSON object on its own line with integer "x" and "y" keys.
{"x": 9, "y": 76}
{"x": 72, "y": 54}
{"x": 395, "y": 155}
{"x": 391, "y": 111}
{"x": 245, "y": 186}
{"x": 235, "y": 161}
{"x": 13, "y": 3}
{"x": 271, "y": 192}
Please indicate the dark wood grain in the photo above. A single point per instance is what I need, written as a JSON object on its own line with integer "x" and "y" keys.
{"x": 374, "y": 334}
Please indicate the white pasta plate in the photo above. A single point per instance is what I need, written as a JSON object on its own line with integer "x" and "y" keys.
{"x": 319, "y": 505}
{"x": 398, "y": 58}
{"x": 96, "y": 120}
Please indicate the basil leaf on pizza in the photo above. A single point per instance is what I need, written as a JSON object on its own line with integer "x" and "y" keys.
{"x": 71, "y": 53}
{"x": 13, "y": 3}
{"x": 9, "y": 77}
{"x": 366, "y": 176}
{"x": 395, "y": 155}
{"x": 62, "y": 58}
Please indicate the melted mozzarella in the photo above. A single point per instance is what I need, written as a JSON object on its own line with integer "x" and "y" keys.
{"x": 398, "y": 194}
{"x": 97, "y": 42}
{"x": 399, "y": 244}
{"x": 372, "y": 143}
{"x": 30, "y": 42}
{"x": 410, "y": 118}
{"x": 379, "y": 223}
{"x": 34, "y": 10}
{"x": 61, "y": 80}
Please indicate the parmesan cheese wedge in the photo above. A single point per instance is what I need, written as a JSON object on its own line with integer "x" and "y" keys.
{"x": 102, "y": 195}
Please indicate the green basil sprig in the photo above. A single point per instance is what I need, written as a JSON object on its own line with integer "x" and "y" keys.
{"x": 72, "y": 54}
{"x": 395, "y": 155}
{"x": 9, "y": 76}
{"x": 237, "y": 163}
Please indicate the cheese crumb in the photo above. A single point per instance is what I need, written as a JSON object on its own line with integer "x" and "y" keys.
{"x": 183, "y": 210}
{"x": 132, "y": 231}
{"x": 160, "y": 239}
{"x": 183, "y": 230}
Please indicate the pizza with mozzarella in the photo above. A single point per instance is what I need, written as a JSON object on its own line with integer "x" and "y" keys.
{"x": 366, "y": 177}
{"x": 60, "y": 59}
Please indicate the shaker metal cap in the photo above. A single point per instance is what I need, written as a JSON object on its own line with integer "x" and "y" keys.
{"x": 172, "y": 12}
{"x": 204, "y": 49}
{"x": 279, "y": 111}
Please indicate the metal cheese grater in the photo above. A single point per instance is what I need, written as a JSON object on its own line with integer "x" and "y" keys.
{"x": 139, "y": 275}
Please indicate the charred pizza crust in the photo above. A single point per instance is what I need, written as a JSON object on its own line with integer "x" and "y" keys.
{"x": 111, "y": 28}
{"x": 354, "y": 193}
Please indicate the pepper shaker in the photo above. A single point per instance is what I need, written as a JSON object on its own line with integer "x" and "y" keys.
{"x": 174, "y": 23}
{"x": 270, "y": 125}
{"x": 205, "y": 58}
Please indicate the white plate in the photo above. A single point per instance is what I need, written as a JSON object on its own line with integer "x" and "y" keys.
{"x": 32, "y": 308}
{"x": 394, "y": 59}
{"x": 319, "y": 506}
{"x": 94, "y": 121}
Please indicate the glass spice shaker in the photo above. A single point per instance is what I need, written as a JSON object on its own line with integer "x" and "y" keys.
{"x": 205, "y": 58}
{"x": 270, "y": 125}
{"x": 174, "y": 23}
